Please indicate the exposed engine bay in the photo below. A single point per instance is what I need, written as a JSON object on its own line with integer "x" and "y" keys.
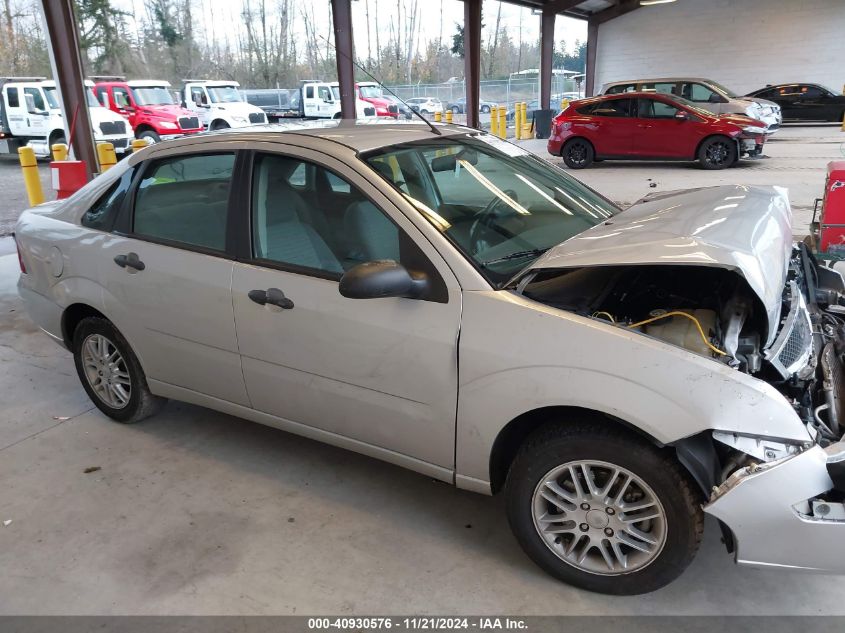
{"x": 712, "y": 311}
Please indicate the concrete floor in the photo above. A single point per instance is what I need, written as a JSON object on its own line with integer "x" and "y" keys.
{"x": 195, "y": 512}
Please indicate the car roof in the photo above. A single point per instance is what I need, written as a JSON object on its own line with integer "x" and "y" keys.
{"x": 650, "y": 80}
{"x": 360, "y": 136}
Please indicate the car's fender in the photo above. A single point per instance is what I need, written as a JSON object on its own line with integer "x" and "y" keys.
{"x": 517, "y": 356}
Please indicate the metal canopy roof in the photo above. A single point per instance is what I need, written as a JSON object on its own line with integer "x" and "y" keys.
{"x": 599, "y": 10}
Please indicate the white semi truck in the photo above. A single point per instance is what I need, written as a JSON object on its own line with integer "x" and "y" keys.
{"x": 30, "y": 115}
{"x": 219, "y": 104}
{"x": 311, "y": 100}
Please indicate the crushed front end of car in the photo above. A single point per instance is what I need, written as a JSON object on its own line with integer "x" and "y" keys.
{"x": 716, "y": 272}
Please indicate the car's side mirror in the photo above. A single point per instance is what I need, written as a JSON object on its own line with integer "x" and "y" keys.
{"x": 680, "y": 115}
{"x": 714, "y": 98}
{"x": 382, "y": 278}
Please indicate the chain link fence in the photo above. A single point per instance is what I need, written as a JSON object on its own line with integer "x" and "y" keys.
{"x": 498, "y": 91}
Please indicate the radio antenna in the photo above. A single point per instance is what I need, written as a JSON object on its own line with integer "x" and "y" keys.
{"x": 383, "y": 87}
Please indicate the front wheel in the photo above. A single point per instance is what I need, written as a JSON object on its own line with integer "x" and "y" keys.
{"x": 219, "y": 125}
{"x": 150, "y": 136}
{"x": 718, "y": 152}
{"x": 110, "y": 372}
{"x": 578, "y": 153}
{"x": 603, "y": 510}
{"x": 456, "y": 110}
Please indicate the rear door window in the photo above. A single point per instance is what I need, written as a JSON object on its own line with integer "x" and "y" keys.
{"x": 12, "y": 96}
{"x": 610, "y": 108}
{"x": 664, "y": 87}
{"x": 184, "y": 199}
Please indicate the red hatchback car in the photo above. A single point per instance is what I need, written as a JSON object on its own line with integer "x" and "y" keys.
{"x": 652, "y": 126}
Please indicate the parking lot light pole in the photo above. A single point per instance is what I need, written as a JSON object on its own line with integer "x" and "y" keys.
{"x": 63, "y": 45}
{"x": 342, "y": 18}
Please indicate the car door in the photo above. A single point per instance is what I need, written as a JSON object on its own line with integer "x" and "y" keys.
{"x": 34, "y": 111}
{"x": 378, "y": 371}
{"x": 789, "y": 100}
{"x": 660, "y": 134}
{"x": 813, "y": 104}
{"x": 16, "y": 114}
{"x": 167, "y": 275}
{"x": 612, "y": 127}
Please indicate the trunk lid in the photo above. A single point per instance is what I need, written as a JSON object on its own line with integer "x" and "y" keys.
{"x": 744, "y": 229}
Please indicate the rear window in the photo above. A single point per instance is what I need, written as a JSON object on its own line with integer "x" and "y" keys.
{"x": 609, "y": 108}
{"x": 102, "y": 213}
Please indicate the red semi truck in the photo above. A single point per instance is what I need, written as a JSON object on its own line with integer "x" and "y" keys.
{"x": 149, "y": 107}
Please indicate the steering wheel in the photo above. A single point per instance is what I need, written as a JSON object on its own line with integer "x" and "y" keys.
{"x": 484, "y": 219}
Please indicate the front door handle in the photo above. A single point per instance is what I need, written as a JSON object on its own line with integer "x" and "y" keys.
{"x": 273, "y": 296}
{"x": 130, "y": 260}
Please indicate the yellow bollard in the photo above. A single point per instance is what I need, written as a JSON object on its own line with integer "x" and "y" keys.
{"x": 138, "y": 144}
{"x": 106, "y": 156}
{"x": 564, "y": 103}
{"x": 438, "y": 117}
{"x": 448, "y": 116}
{"x": 524, "y": 118}
{"x": 59, "y": 151}
{"x": 516, "y": 117}
{"x": 494, "y": 120}
{"x": 30, "y": 175}
{"x": 503, "y": 122}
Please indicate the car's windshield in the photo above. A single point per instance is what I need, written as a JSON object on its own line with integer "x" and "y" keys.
{"x": 690, "y": 105}
{"x": 152, "y": 95}
{"x": 725, "y": 91}
{"x": 499, "y": 204}
{"x": 370, "y": 92}
{"x": 223, "y": 94}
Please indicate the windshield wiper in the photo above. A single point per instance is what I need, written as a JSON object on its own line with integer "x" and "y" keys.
{"x": 517, "y": 255}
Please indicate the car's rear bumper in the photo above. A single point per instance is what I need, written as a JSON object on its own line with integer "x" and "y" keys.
{"x": 771, "y": 513}
{"x": 45, "y": 313}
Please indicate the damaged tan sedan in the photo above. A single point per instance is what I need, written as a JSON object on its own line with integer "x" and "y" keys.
{"x": 445, "y": 301}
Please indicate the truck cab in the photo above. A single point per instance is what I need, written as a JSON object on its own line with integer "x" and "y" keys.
{"x": 30, "y": 114}
{"x": 149, "y": 107}
{"x": 313, "y": 99}
{"x": 372, "y": 93}
{"x": 220, "y": 105}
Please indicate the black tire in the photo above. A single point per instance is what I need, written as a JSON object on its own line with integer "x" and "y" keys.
{"x": 717, "y": 152}
{"x": 141, "y": 403}
{"x": 56, "y": 139}
{"x": 219, "y": 125}
{"x": 456, "y": 109}
{"x": 578, "y": 153}
{"x": 424, "y": 111}
{"x": 485, "y": 109}
{"x": 150, "y": 136}
{"x": 554, "y": 445}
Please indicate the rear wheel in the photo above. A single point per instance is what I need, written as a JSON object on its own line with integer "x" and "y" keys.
{"x": 150, "y": 136}
{"x": 456, "y": 110}
{"x": 485, "y": 109}
{"x": 717, "y": 152}
{"x": 602, "y": 510}
{"x": 578, "y": 153}
{"x": 110, "y": 372}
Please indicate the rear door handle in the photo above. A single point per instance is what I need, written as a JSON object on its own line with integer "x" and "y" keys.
{"x": 273, "y": 296}
{"x": 130, "y": 260}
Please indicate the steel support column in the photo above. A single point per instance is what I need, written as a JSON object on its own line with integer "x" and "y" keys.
{"x": 63, "y": 44}
{"x": 547, "y": 49}
{"x": 592, "y": 44}
{"x": 342, "y": 17}
{"x": 472, "y": 59}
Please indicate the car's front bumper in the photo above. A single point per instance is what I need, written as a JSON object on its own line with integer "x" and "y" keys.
{"x": 768, "y": 509}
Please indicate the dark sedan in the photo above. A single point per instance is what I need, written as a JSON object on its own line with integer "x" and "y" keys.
{"x": 805, "y": 102}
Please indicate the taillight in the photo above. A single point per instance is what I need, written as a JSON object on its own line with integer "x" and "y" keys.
{"x": 20, "y": 259}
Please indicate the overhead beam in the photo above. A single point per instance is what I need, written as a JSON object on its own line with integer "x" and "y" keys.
{"x": 619, "y": 9}
{"x": 63, "y": 44}
{"x": 559, "y": 6}
{"x": 342, "y": 19}
{"x": 547, "y": 49}
{"x": 472, "y": 59}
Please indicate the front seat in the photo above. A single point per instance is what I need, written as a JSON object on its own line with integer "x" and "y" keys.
{"x": 289, "y": 239}
{"x": 370, "y": 234}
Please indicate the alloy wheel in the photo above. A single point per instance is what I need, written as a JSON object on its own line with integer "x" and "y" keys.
{"x": 718, "y": 153}
{"x": 598, "y": 517}
{"x": 106, "y": 371}
{"x": 578, "y": 153}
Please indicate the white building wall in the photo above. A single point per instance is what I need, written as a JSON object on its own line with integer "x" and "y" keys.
{"x": 743, "y": 44}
